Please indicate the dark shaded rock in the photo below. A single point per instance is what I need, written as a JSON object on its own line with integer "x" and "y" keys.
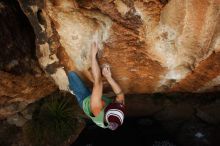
{"x": 142, "y": 105}
{"x": 164, "y": 1}
{"x": 173, "y": 111}
{"x": 210, "y": 113}
{"x": 22, "y": 80}
{"x": 174, "y": 115}
{"x": 8, "y": 134}
{"x": 196, "y": 133}
{"x": 17, "y": 40}
{"x": 17, "y": 120}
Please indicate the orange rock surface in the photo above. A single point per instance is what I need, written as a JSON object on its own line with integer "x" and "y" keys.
{"x": 150, "y": 46}
{"x": 19, "y": 91}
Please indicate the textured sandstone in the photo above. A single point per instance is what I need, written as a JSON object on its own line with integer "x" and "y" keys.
{"x": 19, "y": 91}
{"x": 151, "y": 47}
{"x": 21, "y": 79}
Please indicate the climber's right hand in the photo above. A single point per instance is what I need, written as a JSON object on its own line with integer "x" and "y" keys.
{"x": 106, "y": 72}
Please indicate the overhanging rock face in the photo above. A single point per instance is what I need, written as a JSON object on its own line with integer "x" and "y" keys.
{"x": 150, "y": 46}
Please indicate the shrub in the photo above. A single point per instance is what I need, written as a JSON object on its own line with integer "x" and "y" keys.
{"x": 52, "y": 124}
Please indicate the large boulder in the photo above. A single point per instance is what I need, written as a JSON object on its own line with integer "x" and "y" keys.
{"x": 151, "y": 46}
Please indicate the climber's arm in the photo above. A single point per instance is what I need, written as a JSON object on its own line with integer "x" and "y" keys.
{"x": 116, "y": 88}
{"x": 96, "y": 97}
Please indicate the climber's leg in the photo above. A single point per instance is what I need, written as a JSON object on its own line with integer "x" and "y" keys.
{"x": 78, "y": 87}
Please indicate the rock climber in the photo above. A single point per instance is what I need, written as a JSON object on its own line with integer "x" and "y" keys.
{"x": 103, "y": 111}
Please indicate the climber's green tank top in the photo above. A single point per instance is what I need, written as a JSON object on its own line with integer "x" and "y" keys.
{"x": 98, "y": 120}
